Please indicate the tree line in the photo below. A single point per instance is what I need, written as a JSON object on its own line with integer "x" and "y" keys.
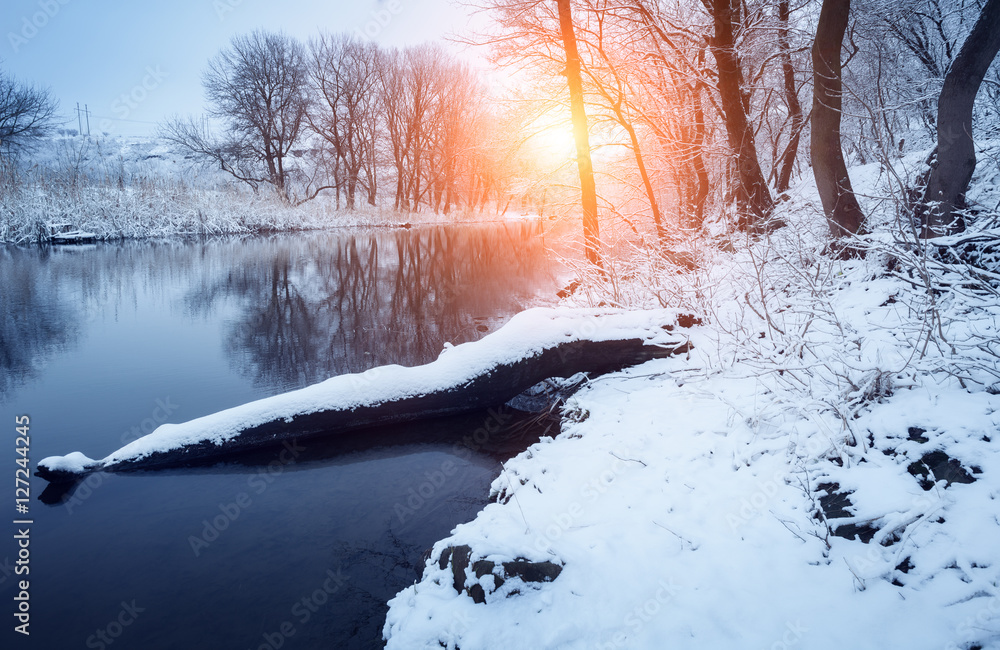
{"x": 712, "y": 106}
{"x": 343, "y": 116}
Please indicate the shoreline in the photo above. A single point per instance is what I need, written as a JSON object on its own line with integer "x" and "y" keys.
{"x": 817, "y": 473}
{"x": 415, "y": 221}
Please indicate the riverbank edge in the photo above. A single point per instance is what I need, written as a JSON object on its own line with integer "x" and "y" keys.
{"x": 817, "y": 473}
{"x": 389, "y": 220}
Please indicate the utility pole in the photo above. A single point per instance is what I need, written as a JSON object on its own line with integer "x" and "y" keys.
{"x": 80, "y": 113}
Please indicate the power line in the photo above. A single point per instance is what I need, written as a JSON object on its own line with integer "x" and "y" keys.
{"x": 119, "y": 119}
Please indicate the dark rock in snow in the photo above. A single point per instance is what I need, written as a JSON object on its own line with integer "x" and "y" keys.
{"x": 688, "y": 320}
{"x": 835, "y": 506}
{"x": 521, "y": 569}
{"x": 568, "y": 290}
{"x": 942, "y": 466}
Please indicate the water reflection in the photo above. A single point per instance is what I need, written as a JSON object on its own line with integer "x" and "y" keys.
{"x": 366, "y": 507}
{"x": 298, "y": 308}
{"x": 35, "y": 320}
{"x": 517, "y": 429}
{"x": 332, "y": 305}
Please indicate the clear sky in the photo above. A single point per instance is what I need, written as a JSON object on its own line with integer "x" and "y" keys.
{"x": 135, "y": 62}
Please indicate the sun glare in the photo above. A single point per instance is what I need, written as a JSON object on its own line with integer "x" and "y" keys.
{"x": 551, "y": 139}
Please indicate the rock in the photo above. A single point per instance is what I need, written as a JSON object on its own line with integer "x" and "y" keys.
{"x": 521, "y": 569}
{"x": 835, "y": 506}
{"x": 942, "y": 466}
{"x": 688, "y": 320}
{"x": 568, "y": 290}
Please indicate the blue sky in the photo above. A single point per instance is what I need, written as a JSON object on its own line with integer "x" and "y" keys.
{"x": 133, "y": 63}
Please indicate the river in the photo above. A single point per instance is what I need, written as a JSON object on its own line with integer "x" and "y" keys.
{"x": 294, "y": 548}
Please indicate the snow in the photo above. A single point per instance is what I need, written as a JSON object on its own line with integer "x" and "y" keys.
{"x": 681, "y": 497}
{"x": 525, "y": 335}
{"x": 74, "y": 463}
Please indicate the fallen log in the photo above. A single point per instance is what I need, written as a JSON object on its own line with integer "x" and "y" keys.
{"x": 533, "y": 346}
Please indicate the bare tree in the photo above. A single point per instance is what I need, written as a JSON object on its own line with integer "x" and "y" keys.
{"x": 843, "y": 214}
{"x": 753, "y": 195}
{"x": 232, "y": 152}
{"x": 459, "y": 114}
{"x": 424, "y": 89}
{"x": 430, "y": 108}
{"x": 931, "y": 32}
{"x": 955, "y": 161}
{"x": 410, "y": 85}
{"x": 344, "y": 76}
{"x": 609, "y": 74}
{"x": 26, "y": 112}
{"x": 257, "y": 89}
{"x": 797, "y": 119}
{"x": 393, "y": 99}
{"x": 673, "y": 106}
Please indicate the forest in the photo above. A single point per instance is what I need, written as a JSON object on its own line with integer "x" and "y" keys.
{"x": 690, "y": 113}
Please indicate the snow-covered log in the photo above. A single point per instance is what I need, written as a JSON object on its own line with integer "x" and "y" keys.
{"x": 533, "y": 346}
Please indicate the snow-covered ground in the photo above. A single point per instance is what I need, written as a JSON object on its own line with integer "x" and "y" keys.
{"x": 690, "y": 501}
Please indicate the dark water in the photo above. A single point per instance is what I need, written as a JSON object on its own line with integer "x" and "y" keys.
{"x": 299, "y": 549}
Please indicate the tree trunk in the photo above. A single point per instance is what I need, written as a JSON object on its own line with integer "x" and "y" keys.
{"x": 753, "y": 197}
{"x": 843, "y": 214}
{"x": 399, "y": 188}
{"x": 352, "y": 185}
{"x": 951, "y": 173}
{"x": 698, "y": 160}
{"x": 661, "y": 232}
{"x": 588, "y": 188}
{"x": 349, "y": 403}
{"x": 791, "y": 99}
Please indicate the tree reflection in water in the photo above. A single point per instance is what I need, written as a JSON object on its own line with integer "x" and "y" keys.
{"x": 307, "y": 306}
{"x": 316, "y": 307}
{"x": 35, "y": 319}
{"x": 291, "y": 309}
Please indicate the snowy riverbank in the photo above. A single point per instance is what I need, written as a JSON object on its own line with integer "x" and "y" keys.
{"x": 690, "y": 501}
{"x": 139, "y": 187}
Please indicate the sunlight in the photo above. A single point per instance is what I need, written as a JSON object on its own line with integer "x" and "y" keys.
{"x": 550, "y": 139}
